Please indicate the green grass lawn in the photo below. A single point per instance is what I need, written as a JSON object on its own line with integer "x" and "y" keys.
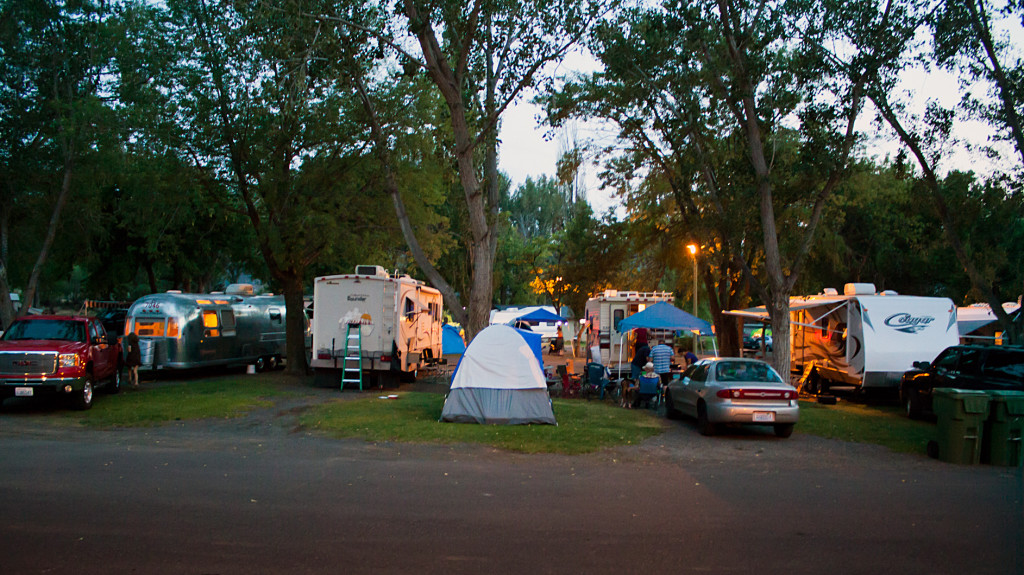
{"x": 583, "y": 426}
{"x": 226, "y": 397}
{"x": 879, "y": 425}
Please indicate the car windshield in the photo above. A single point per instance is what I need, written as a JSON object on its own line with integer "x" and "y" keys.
{"x": 745, "y": 371}
{"x": 46, "y": 329}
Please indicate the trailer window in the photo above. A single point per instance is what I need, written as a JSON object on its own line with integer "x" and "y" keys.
{"x": 172, "y": 328}
{"x": 617, "y": 315}
{"x": 149, "y": 327}
{"x": 410, "y": 309}
{"x": 211, "y": 324}
{"x": 275, "y": 315}
{"x": 227, "y": 321}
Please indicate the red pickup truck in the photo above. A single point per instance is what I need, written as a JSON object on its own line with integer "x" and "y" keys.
{"x": 62, "y": 355}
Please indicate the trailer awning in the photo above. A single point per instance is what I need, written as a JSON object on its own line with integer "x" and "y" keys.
{"x": 760, "y": 313}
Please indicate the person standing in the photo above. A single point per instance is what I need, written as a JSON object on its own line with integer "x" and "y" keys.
{"x": 661, "y": 357}
{"x": 641, "y": 354}
{"x": 133, "y": 359}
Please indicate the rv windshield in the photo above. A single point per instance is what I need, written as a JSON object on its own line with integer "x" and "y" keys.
{"x": 46, "y": 329}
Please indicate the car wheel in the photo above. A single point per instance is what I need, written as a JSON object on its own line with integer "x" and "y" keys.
{"x": 261, "y": 363}
{"x": 704, "y": 426}
{"x": 272, "y": 363}
{"x": 784, "y": 430}
{"x": 82, "y": 400}
{"x": 114, "y": 385}
{"x": 670, "y": 409}
{"x": 912, "y": 404}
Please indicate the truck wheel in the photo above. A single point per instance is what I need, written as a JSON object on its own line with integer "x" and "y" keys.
{"x": 272, "y": 363}
{"x": 912, "y": 404}
{"x": 114, "y": 385}
{"x": 82, "y": 400}
{"x": 261, "y": 363}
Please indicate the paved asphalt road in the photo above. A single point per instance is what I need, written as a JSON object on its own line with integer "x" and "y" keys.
{"x": 255, "y": 497}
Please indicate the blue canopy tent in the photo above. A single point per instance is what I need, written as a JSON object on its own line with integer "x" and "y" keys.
{"x": 451, "y": 340}
{"x": 540, "y": 314}
{"x": 664, "y": 315}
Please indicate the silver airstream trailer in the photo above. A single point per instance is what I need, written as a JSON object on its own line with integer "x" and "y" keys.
{"x": 182, "y": 331}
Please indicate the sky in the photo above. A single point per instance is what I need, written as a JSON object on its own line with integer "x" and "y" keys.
{"x": 530, "y": 149}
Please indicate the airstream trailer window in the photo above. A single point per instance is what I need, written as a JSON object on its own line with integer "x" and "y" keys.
{"x": 227, "y": 321}
{"x": 275, "y": 315}
{"x": 172, "y": 328}
{"x": 210, "y": 324}
{"x": 149, "y": 327}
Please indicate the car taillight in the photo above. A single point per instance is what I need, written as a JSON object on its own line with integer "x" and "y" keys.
{"x": 69, "y": 360}
{"x": 755, "y": 394}
{"x": 385, "y": 358}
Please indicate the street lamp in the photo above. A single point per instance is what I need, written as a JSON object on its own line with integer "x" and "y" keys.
{"x": 693, "y": 252}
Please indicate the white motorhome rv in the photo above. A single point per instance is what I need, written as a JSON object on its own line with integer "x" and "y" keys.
{"x": 393, "y": 323}
{"x": 603, "y": 314}
{"x": 863, "y": 338}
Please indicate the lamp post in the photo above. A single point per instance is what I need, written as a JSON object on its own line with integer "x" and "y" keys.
{"x": 693, "y": 252}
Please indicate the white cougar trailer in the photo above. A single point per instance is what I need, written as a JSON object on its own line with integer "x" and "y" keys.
{"x": 603, "y": 314}
{"x": 371, "y": 323}
{"x": 863, "y": 338}
{"x": 181, "y": 331}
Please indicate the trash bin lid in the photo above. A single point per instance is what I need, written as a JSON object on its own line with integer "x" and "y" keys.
{"x": 973, "y": 401}
{"x": 1013, "y": 400}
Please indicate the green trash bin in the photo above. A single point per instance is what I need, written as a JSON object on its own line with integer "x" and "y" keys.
{"x": 1003, "y": 430}
{"x": 961, "y": 423}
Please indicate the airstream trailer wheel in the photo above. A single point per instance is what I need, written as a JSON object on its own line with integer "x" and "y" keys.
{"x": 261, "y": 363}
{"x": 272, "y": 363}
{"x": 82, "y": 400}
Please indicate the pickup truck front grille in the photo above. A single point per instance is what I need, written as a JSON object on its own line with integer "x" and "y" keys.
{"x": 31, "y": 363}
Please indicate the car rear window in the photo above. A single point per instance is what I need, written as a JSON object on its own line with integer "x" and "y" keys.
{"x": 1009, "y": 365}
{"x": 745, "y": 371}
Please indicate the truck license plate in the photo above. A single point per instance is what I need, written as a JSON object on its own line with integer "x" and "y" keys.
{"x": 23, "y": 392}
{"x": 764, "y": 416}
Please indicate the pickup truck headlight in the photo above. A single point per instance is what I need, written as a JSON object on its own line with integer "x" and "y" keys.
{"x": 69, "y": 360}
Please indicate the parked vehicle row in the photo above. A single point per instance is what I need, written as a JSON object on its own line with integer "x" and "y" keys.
{"x": 963, "y": 367}
{"x": 718, "y": 391}
{"x": 59, "y": 355}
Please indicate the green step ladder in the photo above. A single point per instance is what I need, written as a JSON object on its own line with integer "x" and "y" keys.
{"x": 352, "y": 367}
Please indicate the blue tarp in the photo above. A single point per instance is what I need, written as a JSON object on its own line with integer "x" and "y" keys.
{"x": 664, "y": 315}
{"x": 540, "y": 314}
{"x": 451, "y": 340}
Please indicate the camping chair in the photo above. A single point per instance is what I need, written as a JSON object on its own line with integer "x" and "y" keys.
{"x": 595, "y": 381}
{"x": 570, "y": 382}
{"x": 648, "y": 391}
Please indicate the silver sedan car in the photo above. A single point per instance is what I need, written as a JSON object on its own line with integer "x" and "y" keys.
{"x": 733, "y": 390}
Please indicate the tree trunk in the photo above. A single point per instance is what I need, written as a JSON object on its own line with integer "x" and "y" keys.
{"x": 51, "y": 234}
{"x": 295, "y": 326}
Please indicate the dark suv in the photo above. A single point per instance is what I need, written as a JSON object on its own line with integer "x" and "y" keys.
{"x": 962, "y": 367}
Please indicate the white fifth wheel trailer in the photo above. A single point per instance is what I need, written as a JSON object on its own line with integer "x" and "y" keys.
{"x": 371, "y": 328}
{"x": 603, "y": 314}
{"x": 861, "y": 337}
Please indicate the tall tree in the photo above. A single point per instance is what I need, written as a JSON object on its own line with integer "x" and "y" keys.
{"x": 481, "y": 57}
{"x": 262, "y": 93}
{"x": 54, "y": 70}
